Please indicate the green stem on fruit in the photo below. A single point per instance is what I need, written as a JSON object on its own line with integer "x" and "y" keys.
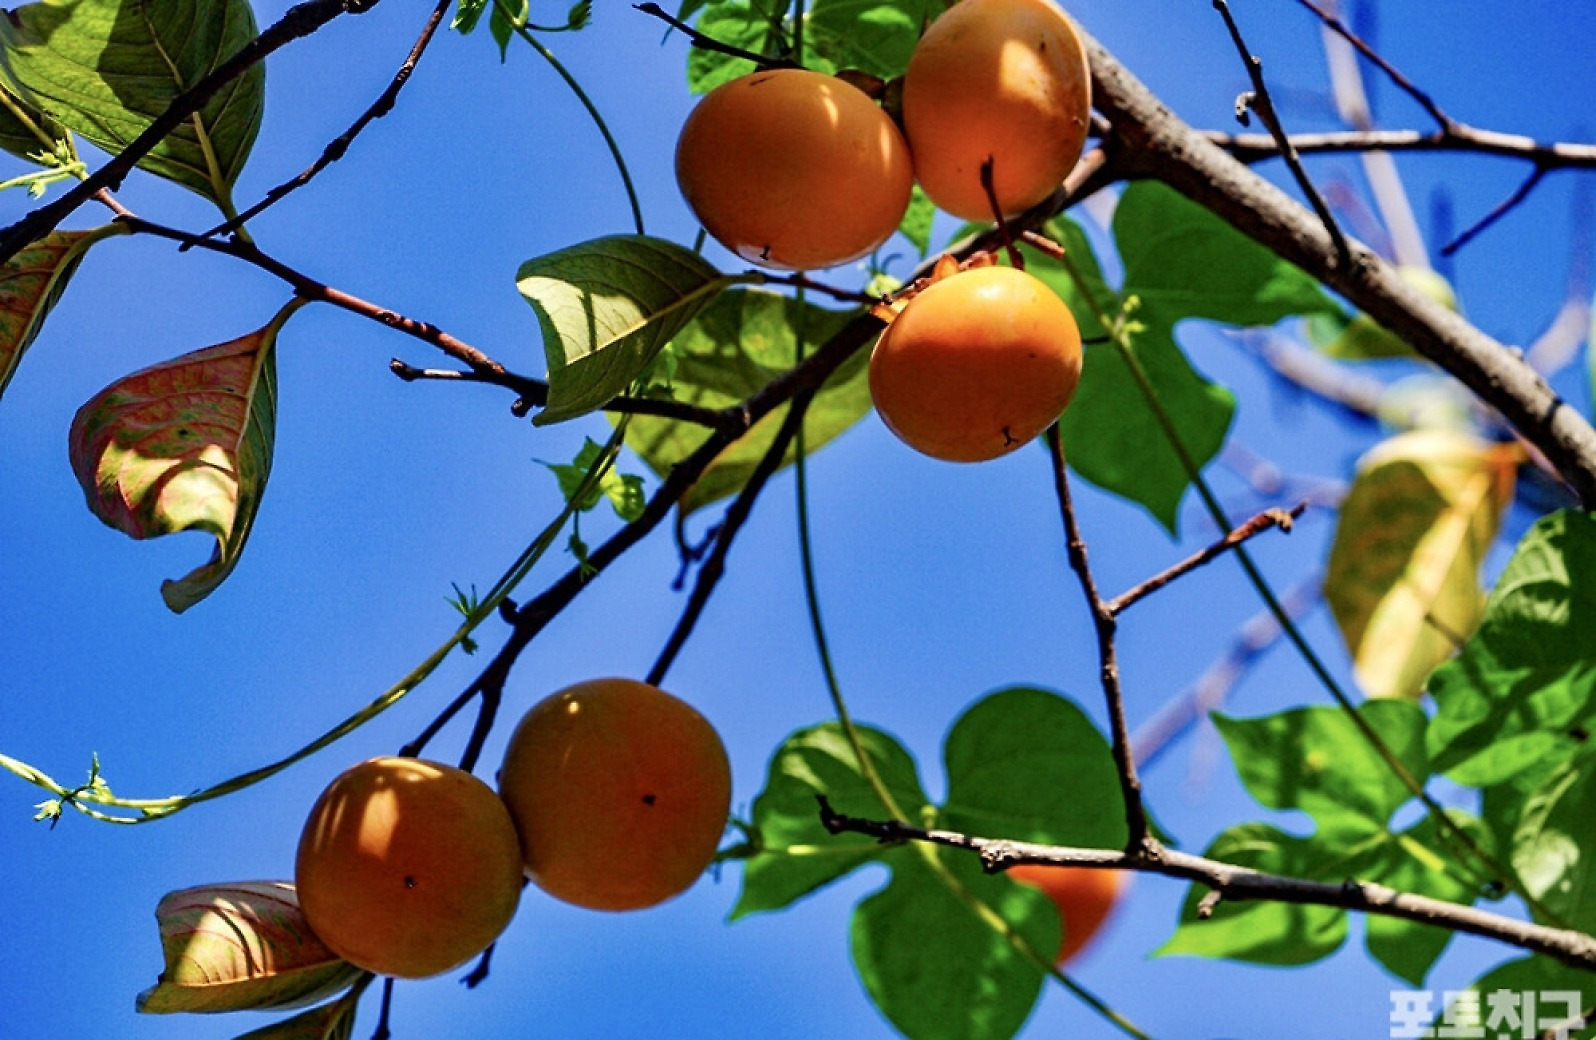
{"x": 592, "y": 111}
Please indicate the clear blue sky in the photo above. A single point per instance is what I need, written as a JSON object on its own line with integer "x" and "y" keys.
{"x": 940, "y": 582}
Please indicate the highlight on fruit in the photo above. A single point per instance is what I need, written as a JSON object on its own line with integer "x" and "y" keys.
{"x": 620, "y": 793}
{"x": 407, "y": 867}
{"x": 795, "y": 170}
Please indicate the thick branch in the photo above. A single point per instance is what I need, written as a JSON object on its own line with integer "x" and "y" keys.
{"x": 1150, "y": 142}
{"x": 1553, "y": 155}
{"x": 1230, "y": 882}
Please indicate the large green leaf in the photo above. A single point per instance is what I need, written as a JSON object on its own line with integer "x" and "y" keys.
{"x": 872, "y": 36}
{"x": 1554, "y": 845}
{"x": 30, "y": 284}
{"x": 606, "y": 307}
{"x": 934, "y": 966}
{"x": 740, "y": 342}
{"x": 106, "y": 69}
{"x": 1415, "y": 861}
{"x": 25, "y": 131}
{"x": 1519, "y": 694}
{"x": 330, "y": 1021}
{"x": 1559, "y": 992}
{"x": 1403, "y": 579}
{"x": 1316, "y": 760}
{"x": 796, "y": 855}
{"x": 1260, "y": 931}
{"x": 185, "y": 445}
{"x": 237, "y": 946}
{"x": 1027, "y": 764}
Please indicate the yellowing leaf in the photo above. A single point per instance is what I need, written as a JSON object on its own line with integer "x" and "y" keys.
{"x": 1403, "y": 577}
{"x": 242, "y": 945}
{"x": 185, "y": 445}
{"x": 31, "y": 282}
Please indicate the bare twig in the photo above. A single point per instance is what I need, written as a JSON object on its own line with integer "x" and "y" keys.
{"x": 1554, "y": 155}
{"x": 1108, "y": 664}
{"x": 299, "y": 21}
{"x": 336, "y": 149}
{"x": 706, "y": 43}
{"x": 1336, "y": 26}
{"x": 1241, "y": 884}
{"x": 1260, "y": 102}
{"x": 1500, "y": 210}
{"x": 1270, "y": 518}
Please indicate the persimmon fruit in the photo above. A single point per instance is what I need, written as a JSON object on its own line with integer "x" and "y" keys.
{"x": 620, "y": 792}
{"x": 792, "y": 169}
{"x": 999, "y": 80}
{"x": 976, "y": 364}
{"x": 1085, "y": 896}
{"x": 407, "y": 867}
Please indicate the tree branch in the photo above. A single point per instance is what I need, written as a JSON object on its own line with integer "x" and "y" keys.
{"x": 1242, "y": 884}
{"x": 1150, "y": 142}
{"x": 299, "y": 21}
{"x": 1269, "y": 518}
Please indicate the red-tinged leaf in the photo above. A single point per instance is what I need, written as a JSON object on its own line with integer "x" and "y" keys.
{"x": 185, "y": 445}
{"x": 333, "y": 1021}
{"x": 31, "y": 282}
{"x": 1403, "y": 578}
{"x": 239, "y": 946}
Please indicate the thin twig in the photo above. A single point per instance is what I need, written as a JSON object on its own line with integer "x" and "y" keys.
{"x": 1108, "y": 663}
{"x": 299, "y": 21}
{"x": 1241, "y": 884}
{"x": 1336, "y": 26}
{"x": 1260, "y": 102}
{"x": 1268, "y": 519}
{"x": 1554, "y": 155}
{"x": 706, "y": 43}
{"x": 1500, "y": 210}
{"x": 336, "y": 149}
{"x": 737, "y": 514}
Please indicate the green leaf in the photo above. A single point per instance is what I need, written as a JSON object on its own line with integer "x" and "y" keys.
{"x": 868, "y": 35}
{"x": 25, "y": 131}
{"x": 737, "y": 345}
{"x": 936, "y": 967}
{"x": 1314, "y": 759}
{"x": 1263, "y": 932}
{"x": 757, "y": 26}
{"x": 1112, "y": 436}
{"x": 503, "y": 24}
{"x": 1184, "y": 262}
{"x": 1028, "y": 764}
{"x": 185, "y": 445}
{"x": 917, "y": 220}
{"x": 796, "y": 854}
{"x": 1553, "y": 845}
{"x": 1411, "y": 536}
{"x": 1417, "y": 861}
{"x": 30, "y": 284}
{"x": 624, "y": 491}
{"x": 331, "y": 1021}
{"x": 106, "y": 69}
{"x": 1519, "y": 694}
{"x": 1060, "y": 276}
{"x": 1561, "y": 992}
{"x": 605, "y": 308}
{"x": 237, "y": 946}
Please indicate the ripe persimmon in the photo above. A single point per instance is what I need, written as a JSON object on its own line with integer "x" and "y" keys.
{"x": 999, "y": 80}
{"x": 976, "y": 364}
{"x": 1085, "y": 896}
{"x": 620, "y": 792}
{"x": 793, "y": 169}
{"x": 408, "y": 868}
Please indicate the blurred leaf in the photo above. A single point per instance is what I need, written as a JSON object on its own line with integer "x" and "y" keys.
{"x": 1518, "y": 696}
{"x": 235, "y": 946}
{"x": 1261, "y": 931}
{"x": 1361, "y": 338}
{"x": 1027, "y": 764}
{"x": 935, "y": 967}
{"x": 737, "y": 345}
{"x": 605, "y": 308}
{"x": 796, "y": 855}
{"x": 106, "y": 69}
{"x": 917, "y": 220}
{"x": 1403, "y": 579}
{"x": 1314, "y": 759}
{"x": 185, "y": 445}
{"x": 332, "y": 1021}
{"x": 30, "y": 284}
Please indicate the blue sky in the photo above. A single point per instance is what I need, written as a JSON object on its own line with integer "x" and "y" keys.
{"x": 940, "y": 582}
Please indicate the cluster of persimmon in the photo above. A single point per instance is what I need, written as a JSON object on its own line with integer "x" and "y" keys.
{"x": 613, "y": 795}
{"x": 796, "y": 170}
